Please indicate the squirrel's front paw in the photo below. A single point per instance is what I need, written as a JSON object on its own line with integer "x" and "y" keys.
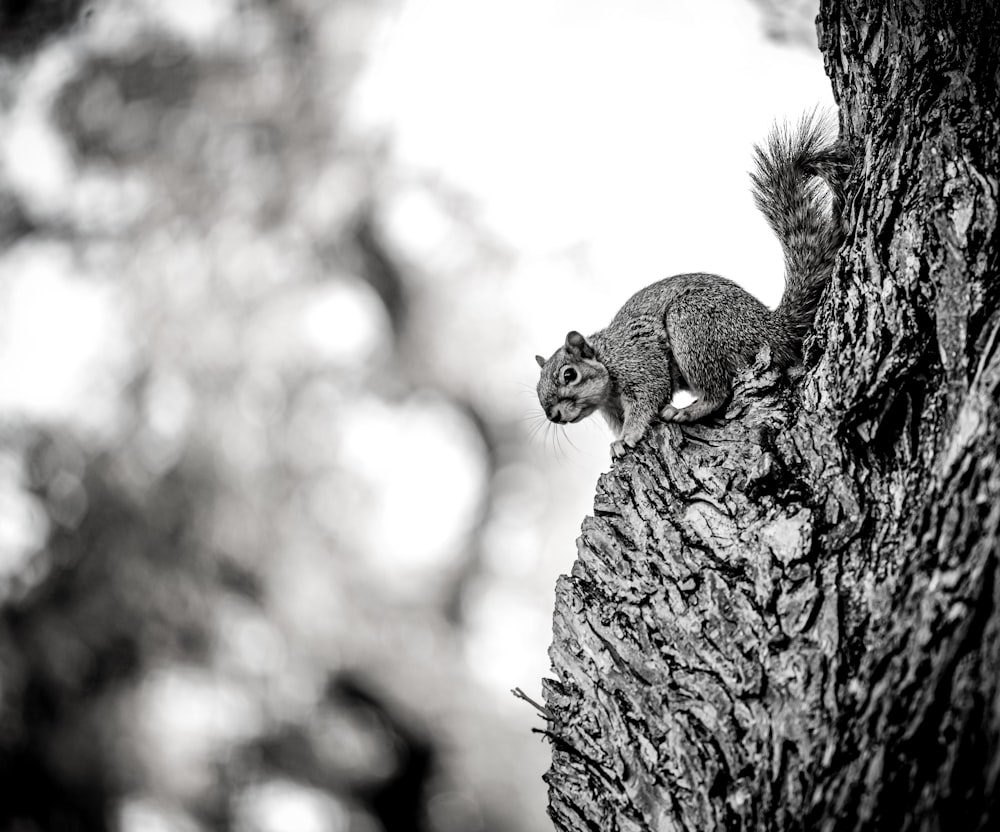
{"x": 672, "y": 414}
{"x": 619, "y": 447}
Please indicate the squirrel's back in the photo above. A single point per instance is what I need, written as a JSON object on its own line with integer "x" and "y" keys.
{"x": 801, "y": 212}
{"x": 712, "y": 327}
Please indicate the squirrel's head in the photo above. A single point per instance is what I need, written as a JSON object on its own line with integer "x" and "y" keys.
{"x": 573, "y": 383}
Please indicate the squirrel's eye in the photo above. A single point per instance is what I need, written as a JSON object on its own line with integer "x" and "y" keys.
{"x": 569, "y": 375}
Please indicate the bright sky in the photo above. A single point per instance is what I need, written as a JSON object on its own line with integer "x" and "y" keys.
{"x": 627, "y": 125}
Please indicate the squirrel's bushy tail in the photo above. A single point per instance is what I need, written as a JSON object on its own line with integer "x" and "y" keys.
{"x": 803, "y": 215}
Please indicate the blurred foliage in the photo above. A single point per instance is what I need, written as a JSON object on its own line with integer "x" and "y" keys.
{"x": 236, "y": 547}
{"x": 26, "y": 24}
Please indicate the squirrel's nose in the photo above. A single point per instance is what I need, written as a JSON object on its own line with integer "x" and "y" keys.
{"x": 554, "y": 414}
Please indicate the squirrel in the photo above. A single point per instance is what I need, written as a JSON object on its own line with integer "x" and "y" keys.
{"x": 697, "y": 331}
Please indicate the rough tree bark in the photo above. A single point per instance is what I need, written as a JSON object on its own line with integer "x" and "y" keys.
{"x": 791, "y": 620}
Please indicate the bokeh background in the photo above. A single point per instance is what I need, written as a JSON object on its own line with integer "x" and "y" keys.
{"x": 279, "y": 519}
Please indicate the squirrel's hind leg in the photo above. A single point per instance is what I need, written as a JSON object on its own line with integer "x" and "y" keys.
{"x": 703, "y": 341}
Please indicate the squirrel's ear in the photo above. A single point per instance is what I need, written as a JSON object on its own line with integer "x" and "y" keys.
{"x": 540, "y": 360}
{"x": 577, "y": 345}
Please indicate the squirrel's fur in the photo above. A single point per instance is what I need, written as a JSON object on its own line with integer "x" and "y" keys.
{"x": 696, "y": 331}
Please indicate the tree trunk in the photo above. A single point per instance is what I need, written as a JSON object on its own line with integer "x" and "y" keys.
{"x": 792, "y": 620}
